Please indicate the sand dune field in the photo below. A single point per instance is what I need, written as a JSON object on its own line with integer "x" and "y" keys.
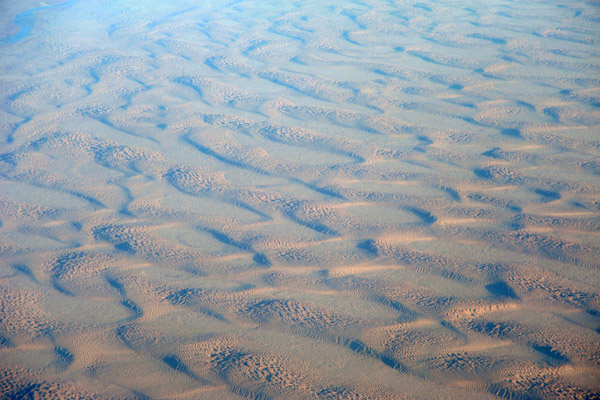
{"x": 251, "y": 199}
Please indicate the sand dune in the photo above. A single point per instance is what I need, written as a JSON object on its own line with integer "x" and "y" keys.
{"x": 299, "y": 200}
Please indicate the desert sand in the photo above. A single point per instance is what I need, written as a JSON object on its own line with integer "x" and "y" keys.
{"x": 328, "y": 199}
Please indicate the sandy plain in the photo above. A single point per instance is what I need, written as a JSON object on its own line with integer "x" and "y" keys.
{"x": 299, "y": 199}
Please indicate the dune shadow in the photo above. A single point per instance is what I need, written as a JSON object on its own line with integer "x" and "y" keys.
{"x": 425, "y": 216}
{"x": 135, "y": 310}
{"x": 512, "y": 132}
{"x": 453, "y": 193}
{"x": 125, "y": 247}
{"x": 548, "y": 195}
{"x": 25, "y": 270}
{"x": 483, "y": 173}
{"x": 116, "y": 284}
{"x": 550, "y": 352}
{"x": 501, "y": 289}
{"x": 5, "y": 342}
{"x": 369, "y": 246}
{"x": 63, "y": 358}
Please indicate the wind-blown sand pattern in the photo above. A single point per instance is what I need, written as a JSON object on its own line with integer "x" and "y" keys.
{"x": 299, "y": 199}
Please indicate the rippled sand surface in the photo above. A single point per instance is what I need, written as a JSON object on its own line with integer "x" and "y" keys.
{"x": 299, "y": 199}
